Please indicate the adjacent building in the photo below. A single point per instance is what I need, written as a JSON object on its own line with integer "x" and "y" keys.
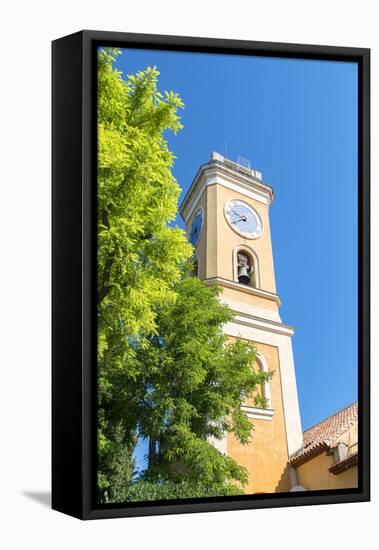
{"x": 329, "y": 456}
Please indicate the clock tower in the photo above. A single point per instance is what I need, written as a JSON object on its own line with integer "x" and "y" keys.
{"x": 226, "y": 212}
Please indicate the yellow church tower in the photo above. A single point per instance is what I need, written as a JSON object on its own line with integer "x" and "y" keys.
{"x": 226, "y": 212}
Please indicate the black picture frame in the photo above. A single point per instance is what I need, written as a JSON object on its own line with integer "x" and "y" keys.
{"x": 74, "y": 268}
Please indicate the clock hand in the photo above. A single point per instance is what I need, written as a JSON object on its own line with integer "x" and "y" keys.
{"x": 242, "y": 218}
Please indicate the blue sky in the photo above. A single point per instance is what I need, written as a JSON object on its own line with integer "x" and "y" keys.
{"x": 296, "y": 120}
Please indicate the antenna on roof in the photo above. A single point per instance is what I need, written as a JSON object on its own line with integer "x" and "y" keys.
{"x": 225, "y": 149}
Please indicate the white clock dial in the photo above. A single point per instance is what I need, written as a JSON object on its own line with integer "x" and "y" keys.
{"x": 243, "y": 219}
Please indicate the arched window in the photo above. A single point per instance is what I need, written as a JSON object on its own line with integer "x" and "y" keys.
{"x": 264, "y": 390}
{"x": 245, "y": 266}
{"x": 260, "y": 391}
{"x": 250, "y": 407}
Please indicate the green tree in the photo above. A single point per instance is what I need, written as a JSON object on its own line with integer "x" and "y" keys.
{"x": 165, "y": 369}
{"x": 192, "y": 387}
{"x": 139, "y": 253}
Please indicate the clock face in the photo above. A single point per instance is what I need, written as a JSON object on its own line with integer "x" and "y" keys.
{"x": 243, "y": 219}
{"x": 196, "y": 228}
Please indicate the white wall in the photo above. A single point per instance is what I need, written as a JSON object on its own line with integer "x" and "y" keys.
{"x": 26, "y": 30}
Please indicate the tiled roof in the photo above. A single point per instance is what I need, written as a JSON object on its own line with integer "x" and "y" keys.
{"x": 324, "y": 434}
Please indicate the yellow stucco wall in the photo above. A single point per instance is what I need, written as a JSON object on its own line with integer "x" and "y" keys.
{"x": 314, "y": 474}
{"x": 218, "y": 240}
{"x": 228, "y": 239}
{"x": 249, "y": 299}
{"x": 266, "y": 456}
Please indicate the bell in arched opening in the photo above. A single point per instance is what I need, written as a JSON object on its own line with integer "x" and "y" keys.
{"x": 245, "y": 268}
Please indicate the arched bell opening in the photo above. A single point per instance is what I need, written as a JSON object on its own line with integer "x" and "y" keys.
{"x": 246, "y": 268}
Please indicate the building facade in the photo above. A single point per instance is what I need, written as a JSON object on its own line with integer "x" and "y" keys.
{"x": 226, "y": 212}
{"x": 329, "y": 456}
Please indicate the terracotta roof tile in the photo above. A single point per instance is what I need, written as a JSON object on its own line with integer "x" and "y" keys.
{"x": 325, "y": 433}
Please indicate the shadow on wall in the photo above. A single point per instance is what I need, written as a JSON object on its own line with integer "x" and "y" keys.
{"x": 284, "y": 484}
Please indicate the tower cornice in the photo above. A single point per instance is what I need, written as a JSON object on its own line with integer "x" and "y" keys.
{"x": 244, "y": 289}
{"x": 226, "y": 173}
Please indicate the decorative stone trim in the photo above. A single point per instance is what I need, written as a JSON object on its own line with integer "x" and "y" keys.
{"x": 244, "y": 288}
{"x": 252, "y": 310}
{"x": 257, "y": 413}
{"x": 344, "y": 465}
{"x": 251, "y": 321}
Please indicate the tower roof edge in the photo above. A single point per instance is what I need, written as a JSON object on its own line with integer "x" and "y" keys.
{"x": 246, "y": 178}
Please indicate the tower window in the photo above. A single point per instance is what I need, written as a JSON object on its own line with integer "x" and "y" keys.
{"x": 260, "y": 390}
{"x": 261, "y": 397}
{"x": 245, "y": 266}
{"x": 264, "y": 389}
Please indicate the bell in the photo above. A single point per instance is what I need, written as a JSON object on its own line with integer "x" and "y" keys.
{"x": 243, "y": 275}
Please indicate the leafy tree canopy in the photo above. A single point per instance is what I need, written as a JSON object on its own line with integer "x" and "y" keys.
{"x": 193, "y": 385}
{"x": 165, "y": 370}
{"x": 139, "y": 254}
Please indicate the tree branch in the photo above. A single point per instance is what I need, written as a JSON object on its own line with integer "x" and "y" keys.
{"x": 104, "y": 287}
